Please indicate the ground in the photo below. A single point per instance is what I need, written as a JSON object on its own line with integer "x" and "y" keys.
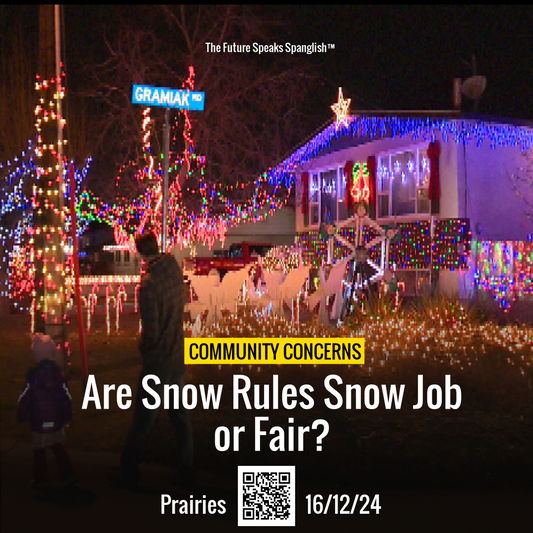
{"x": 483, "y": 448}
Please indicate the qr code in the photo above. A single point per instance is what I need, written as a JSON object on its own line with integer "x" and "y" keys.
{"x": 266, "y": 496}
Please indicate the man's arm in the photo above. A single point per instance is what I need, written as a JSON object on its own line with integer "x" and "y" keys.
{"x": 66, "y": 402}
{"x": 24, "y": 402}
{"x": 150, "y": 323}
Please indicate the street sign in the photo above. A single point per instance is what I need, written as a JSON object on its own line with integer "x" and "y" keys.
{"x": 170, "y": 98}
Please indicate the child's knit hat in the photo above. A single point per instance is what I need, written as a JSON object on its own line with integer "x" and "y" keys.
{"x": 43, "y": 347}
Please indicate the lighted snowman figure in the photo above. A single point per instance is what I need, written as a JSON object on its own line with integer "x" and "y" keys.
{"x": 361, "y": 269}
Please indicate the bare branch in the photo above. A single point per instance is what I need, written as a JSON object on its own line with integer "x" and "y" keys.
{"x": 255, "y": 105}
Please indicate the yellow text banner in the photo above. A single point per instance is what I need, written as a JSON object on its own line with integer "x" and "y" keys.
{"x": 275, "y": 351}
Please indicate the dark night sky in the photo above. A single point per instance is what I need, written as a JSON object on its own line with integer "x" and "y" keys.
{"x": 406, "y": 57}
{"x": 394, "y": 57}
{"x": 398, "y": 57}
{"x": 386, "y": 57}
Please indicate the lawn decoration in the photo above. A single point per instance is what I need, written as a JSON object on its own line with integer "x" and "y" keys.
{"x": 358, "y": 270}
{"x": 266, "y": 291}
{"x": 114, "y": 301}
{"x": 201, "y": 289}
{"x": 283, "y": 281}
{"x": 280, "y": 289}
{"x": 330, "y": 286}
{"x": 89, "y": 302}
{"x": 289, "y": 290}
{"x": 214, "y": 296}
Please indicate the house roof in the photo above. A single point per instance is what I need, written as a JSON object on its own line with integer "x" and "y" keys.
{"x": 368, "y": 126}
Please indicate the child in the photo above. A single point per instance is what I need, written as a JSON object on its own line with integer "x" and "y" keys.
{"x": 46, "y": 401}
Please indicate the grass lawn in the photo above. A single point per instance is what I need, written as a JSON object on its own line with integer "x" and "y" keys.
{"x": 485, "y": 443}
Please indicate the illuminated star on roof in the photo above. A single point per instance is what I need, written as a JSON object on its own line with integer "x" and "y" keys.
{"x": 341, "y": 110}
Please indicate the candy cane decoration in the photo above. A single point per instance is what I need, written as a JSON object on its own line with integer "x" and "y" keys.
{"x": 90, "y": 303}
{"x": 136, "y": 301}
{"x": 32, "y": 315}
{"x": 119, "y": 304}
{"x": 108, "y": 299}
{"x": 85, "y": 302}
{"x": 122, "y": 297}
{"x": 401, "y": 288}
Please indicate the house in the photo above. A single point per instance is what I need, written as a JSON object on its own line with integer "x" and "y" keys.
{"x": 99, "y": 255}
{"x": 123, "y": 260}
{"x": 459, "y": 189}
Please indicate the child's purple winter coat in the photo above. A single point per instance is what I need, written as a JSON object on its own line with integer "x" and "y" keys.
{"x": 45, "y": 400}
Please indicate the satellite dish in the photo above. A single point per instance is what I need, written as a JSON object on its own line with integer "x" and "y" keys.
{"x": 474, "y": 86}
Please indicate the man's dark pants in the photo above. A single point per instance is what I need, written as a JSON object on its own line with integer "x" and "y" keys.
{"x": 143, "y": 420}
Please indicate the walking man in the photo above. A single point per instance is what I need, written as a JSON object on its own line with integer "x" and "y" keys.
{"x": 162, "y": 351}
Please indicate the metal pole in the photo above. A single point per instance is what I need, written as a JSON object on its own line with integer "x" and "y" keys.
{"x": 60, "y": 141}
{"x": 77, "y": 287}
{"x": 165, "y": 182}
{"x": 57, "y": 25}
{"x": 48, "y": 220}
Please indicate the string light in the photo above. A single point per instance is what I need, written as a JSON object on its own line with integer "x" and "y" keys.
{"x": 367, "y": 127}
{"x": 504, "y": 269}
{"x": 448, "y": 249}
{"x": 360, "y": 186}
{"x": 341, "y": 109}
{"x": 445, "y": 334}
{"x": 127, "y": 218}
{"x": 19, "y": 185}
{"x": 508, "y": 275}
{"x": 214, "y": 212}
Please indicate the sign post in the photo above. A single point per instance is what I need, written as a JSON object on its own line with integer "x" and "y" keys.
{"x": 169, "y": 98}
{"x": 165, "y": 182}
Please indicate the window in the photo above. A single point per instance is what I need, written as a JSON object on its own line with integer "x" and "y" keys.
{"x": 313, "y": 199}
{"x": 126, "y": 256}
{"x": 259, "y": 249}
{"x": 342, "y": 211}
{"x": 235, "y": 251}
{"x": 403, "y": 179}
{"x": 327, "y": 197}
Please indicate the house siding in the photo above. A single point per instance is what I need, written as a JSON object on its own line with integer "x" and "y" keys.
{"x": 478, "y": 195}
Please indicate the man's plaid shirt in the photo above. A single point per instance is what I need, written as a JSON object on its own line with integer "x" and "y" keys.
{"x": 161, "y": 309}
